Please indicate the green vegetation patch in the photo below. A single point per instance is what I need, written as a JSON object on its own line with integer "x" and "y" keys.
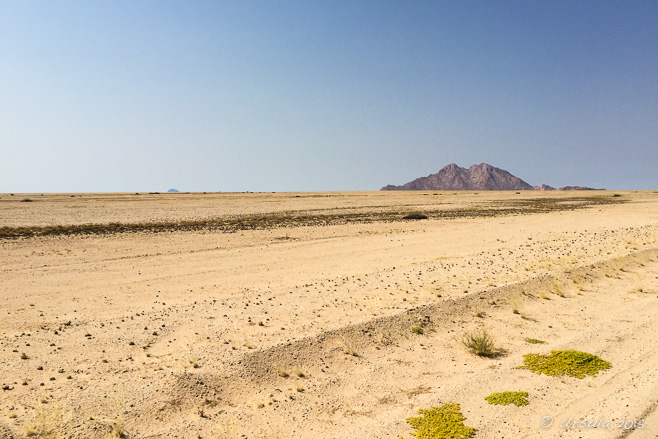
{"x": 506, "y": 398}
{"x": 415, "y": 216}
{"x": 534, "y": 341}
{"x": 573, "y": 363}
{"x": 418, "y": 330}
{"x": 445, "y": 422}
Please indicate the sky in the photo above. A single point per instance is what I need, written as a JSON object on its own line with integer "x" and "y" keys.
{"x": 127, "y": 96}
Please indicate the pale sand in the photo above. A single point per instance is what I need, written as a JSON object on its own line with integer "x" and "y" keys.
{"x": 165, "y": 336}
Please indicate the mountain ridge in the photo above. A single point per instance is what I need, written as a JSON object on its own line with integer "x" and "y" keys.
{"x": 481, "y": 177}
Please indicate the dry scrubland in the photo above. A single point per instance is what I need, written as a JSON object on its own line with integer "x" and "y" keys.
{"x": 322, "y": 315}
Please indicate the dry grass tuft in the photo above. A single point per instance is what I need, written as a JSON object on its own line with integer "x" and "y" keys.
{"x": 557, "y": 288}
{"x": 480, "y": 344}
{"x": 298, "y": 372}
{"x": 118, "y": 431}
{"x": 46, "y": 424}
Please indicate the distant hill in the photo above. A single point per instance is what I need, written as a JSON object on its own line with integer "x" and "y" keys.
{"x": 482, "y": 177}
{"x": 578, "y": 188}
{"x": 172, "y": 190}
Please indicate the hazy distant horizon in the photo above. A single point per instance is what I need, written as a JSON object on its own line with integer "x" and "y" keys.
{"x": 239, "y": 96}
{"x": 182, "y": 191}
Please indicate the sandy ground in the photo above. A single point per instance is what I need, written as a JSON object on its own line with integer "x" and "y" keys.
{"x": 305, "y": 331}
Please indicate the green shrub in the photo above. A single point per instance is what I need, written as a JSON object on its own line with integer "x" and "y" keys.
{"x": 445, "y": 422}
{"x": 573, "y": 363}
{"x": 534, "y": 341}
{"x": 480, "y": 344}
{"x": 417, "y": 330}
{"x": 415, "y": 216}
{"x": 505, "y": 398}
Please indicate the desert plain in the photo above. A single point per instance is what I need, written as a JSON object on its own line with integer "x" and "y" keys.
{"x": 296, "y": 315}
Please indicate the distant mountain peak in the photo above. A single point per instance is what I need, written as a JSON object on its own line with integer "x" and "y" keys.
{"x": 480, "y": 177}
{"x": 452, "y": 177}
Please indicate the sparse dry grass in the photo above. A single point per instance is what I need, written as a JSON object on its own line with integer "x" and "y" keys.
{"x": 298, "y": 372}
{"x": 578, "y": 280}
{"x": 350, "y": 351}
{"x": 613, "y": 268}
{"x": 516, "y": 302}
{"x": 557, "y": 288}
{"x": 46, "y": 424}
{"x": 118, "y": 431}
{"x": 348, "y": 348}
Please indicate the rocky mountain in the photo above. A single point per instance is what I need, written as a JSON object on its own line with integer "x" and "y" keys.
{"x": 482, "y": 177}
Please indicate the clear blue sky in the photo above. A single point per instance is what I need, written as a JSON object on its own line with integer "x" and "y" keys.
{"x": 105, "y": 96}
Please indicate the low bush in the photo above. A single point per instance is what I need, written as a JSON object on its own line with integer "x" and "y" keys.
{"x": 415, "y": 216}
{"x": 445, "y": 422}
{"x": 480, "y": 344}
{"x": 505, "y": 398}
{"x": 417, "y": 330}
{"x": 572, "y": 363}
{"x": 534, "y": 341}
